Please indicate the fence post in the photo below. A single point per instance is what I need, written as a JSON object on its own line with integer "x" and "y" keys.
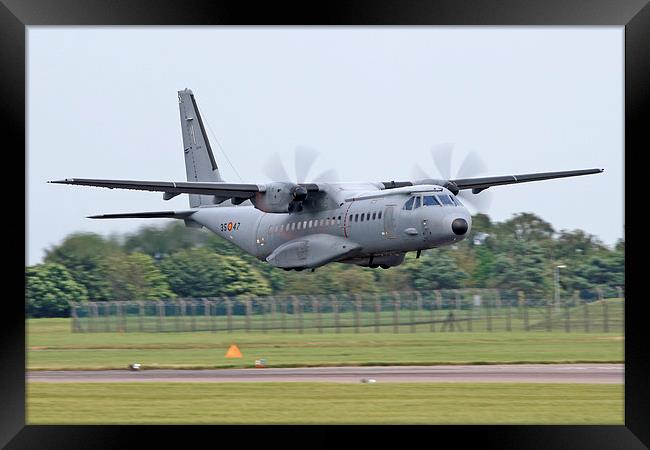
{"x": 412, "y": 307}
{"x": 107, "y": 316}
{"x": 567, "y": 317}
{"x": 283, "y": 314}
{"x": 605, "y": 314}
{"x": 522, "y": 304}
{"x": 335, "y": 307}
{"x": 95, "y": 311}
{"x": 585, "y": 305}
{"x": 497, "y": 301}
{"x": 247, "y": 314}
{"x": 316, "y": 307}
{"x": 263, "y": 307}
{"x": 183, "y": 312}
{"x": 193, "y": 313}
{"x": 488, "y": 315}
{"x": 297, "y": 310}
{"x": 396, "y": 313}
{"x": 120, "y": 316}
{"x": 377, "y": 312}
{"x": 161, "y": 314}
{"x": 140, "y": 316}
{"x": 206, "y": 313}
{"x": 549, "y": 315}
{"x": 418, "y": 303}
{"x": 508, "y": 315}
{"x": 177, "y": 315}
{"x": 454, "y": 316}
{"x": 470, "y": 311}
{"x": 357, "y": 308}
{"x": 438, "y": 305}
{"x": 273, "y": 319}
{"x": 228, "y": 314}
{"x": 432, "y": 316}
{"x": 74, "y": 324}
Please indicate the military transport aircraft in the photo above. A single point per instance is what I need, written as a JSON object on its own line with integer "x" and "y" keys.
{"x": 304, "y": 225}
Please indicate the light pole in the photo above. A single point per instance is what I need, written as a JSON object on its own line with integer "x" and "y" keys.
{"x": 557, "y": 286}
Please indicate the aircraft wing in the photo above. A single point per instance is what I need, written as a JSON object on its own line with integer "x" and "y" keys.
{"x": 221, "y": 189}
{"x": 480, "y": 184}
{"x": 148, "y": 215}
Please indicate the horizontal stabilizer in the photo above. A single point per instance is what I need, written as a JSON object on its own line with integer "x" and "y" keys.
{"x": 148, "y": 215}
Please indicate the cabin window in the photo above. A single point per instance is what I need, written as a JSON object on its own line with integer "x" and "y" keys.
{"x": 339, "y": 221}
{"x": 356, "y": 217}
{"x": 293, "y": 226}
{"x": 304, "y": 225}
{"x": 379, "y": 215}
{"x": 362, "y": 215}
{"x": 455, "y": 200}
{"x": 374, "y": 216}
{"x": 417, "y": 203}
{"x": 430, "y": 200}
{"x": 446, "y": 200}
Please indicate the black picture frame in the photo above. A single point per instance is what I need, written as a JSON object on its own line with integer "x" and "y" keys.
{"x": 634, "y": 15}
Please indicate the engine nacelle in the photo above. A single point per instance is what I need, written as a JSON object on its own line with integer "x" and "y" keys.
{"x": 280, "y": 198}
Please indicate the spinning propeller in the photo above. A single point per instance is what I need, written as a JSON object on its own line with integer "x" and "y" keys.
{"x": 471, "y": 166}
{"x": 304, "y": 160}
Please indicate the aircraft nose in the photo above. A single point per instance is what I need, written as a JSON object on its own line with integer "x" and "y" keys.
{"x": 459, "y": 226}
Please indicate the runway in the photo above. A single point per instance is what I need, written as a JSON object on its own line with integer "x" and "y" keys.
{"x": 513, "y": 373}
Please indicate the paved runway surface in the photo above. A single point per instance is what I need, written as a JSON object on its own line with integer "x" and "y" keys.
{"x": 514, "y": 373}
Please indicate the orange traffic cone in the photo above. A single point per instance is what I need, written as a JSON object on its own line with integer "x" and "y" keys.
{"x": 233, "y": 352}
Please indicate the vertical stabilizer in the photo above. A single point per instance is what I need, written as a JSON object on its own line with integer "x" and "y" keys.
{"x": 200, "y": 164}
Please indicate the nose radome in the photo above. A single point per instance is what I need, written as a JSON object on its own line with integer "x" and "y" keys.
{"x": 459, "y": 226}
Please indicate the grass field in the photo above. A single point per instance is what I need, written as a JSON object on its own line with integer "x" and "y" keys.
{"x": 327, "y": 403}
{"x": 51, "y": 345}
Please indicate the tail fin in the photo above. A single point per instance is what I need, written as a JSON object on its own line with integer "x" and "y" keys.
{"x": 200, "y": 164}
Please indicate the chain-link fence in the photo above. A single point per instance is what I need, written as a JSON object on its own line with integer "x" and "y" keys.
{"x": 467, "y": 310}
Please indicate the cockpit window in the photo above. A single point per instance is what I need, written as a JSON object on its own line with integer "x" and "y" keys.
{"x": 446, "y": 200}
{"x": 456, "y": 200}
{"x": 430, "y": 200}
{"x": 409, "y": 204}
{"x": 417, "y": 202}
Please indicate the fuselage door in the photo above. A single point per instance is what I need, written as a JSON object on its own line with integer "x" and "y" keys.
{"x": 389, "y": 222}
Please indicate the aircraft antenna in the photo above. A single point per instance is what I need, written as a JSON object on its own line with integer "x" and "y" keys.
{"x": 207, "y": 121}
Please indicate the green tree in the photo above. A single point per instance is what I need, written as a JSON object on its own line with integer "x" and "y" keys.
{"x": 436, "y": 270}
{"x": 49, "y": 288}
{"x": 522, "y": 268}
{"x": 484, "y": 270}
{"x": 136, "y": 277}
{"x": 198, "y": 272}
{"x": 159, "y": 242}
{"x": 85, "y": 257}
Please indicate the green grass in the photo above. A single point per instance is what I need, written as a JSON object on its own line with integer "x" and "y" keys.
{"x": 51, "y": 345}
{"x": 326, "y": 403}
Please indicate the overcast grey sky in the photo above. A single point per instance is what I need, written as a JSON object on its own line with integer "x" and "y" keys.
{"x": 102, "y": 104}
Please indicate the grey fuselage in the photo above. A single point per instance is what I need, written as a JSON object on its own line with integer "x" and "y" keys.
{"x": 386, "y": 232}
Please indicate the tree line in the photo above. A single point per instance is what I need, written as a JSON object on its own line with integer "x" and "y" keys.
{"x": 171, "y": 261}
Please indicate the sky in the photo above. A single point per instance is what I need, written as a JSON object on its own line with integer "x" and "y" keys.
{"x": 102, "y": 103}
